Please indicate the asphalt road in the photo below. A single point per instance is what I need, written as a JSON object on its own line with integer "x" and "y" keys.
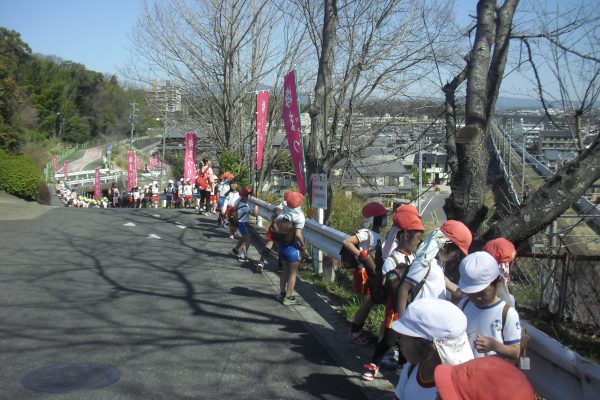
{"x": 155, "y": 294}
{"x": 432, "y": 204}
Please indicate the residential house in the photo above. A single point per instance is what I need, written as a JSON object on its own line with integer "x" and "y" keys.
{"x": 435, "y": 165}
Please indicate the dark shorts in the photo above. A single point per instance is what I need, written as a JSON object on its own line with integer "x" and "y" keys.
{"x": 243, "y": 228}
{"x": 289, "y": 252}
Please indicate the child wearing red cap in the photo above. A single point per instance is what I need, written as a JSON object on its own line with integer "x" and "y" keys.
{"x": 487, "y": 378}
{"x": 409, "y": 232}
{"x": 504, "y": 253}
{"x": 425, "y": 277}
{"x": 360, "y": 244}
{"x": 243, "y": 217}
{"x": 231, "y": 198}
{"x": 290, "y": 253}
{"x": 493, "y": 326}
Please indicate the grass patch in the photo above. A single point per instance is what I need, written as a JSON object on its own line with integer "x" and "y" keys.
{"x": 341, "y": 294}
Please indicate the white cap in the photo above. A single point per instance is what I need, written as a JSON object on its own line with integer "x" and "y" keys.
{"x": 171, "y": 181}
{"x": 440, "y": 322}
{"x": 477, "y": 271}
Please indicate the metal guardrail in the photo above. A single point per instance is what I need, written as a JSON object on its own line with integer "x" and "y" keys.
{"x": 556, "y": 371}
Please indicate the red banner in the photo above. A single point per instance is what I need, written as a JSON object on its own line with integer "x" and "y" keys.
{"x": 131, "y": 170}
{"x": 65, "y": 170}
{"x": 55, "y": 163}
{"x": 97, "y": 190}
{"x": 189, "y": 166}
{"x": 138, "y": 163}
{"x": 291, "y": 119}
{"x": 262, "y": 106}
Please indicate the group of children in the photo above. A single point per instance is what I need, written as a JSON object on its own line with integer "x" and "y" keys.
{"x": 438, "y": 326}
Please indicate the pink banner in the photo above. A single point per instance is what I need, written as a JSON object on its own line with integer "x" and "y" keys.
{"x": 138, "y": 163}
{"x": 131, "y": 170}
{"x": 97, "y": 190}
{"x": 262, "y": 106}
{"x": 291, "y": 119}
{"x": 65, "y": 170}
{"x": 55, "y": 163}
{"x": 189, "y": 166}
{"x": 153, "y": 162}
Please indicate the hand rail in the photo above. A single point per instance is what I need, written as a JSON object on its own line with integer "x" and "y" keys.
{"x": 556, "y": 371}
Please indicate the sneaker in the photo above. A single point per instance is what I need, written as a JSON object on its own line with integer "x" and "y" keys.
{"x": 290, "y": 301}
{"x": 370, "y": 372}
{"x": 280, "y": 297}
{"x": 242, "y": 258}
{"x": 259, "y": 267}
{"x": 231, "y": 237}
{"x": 235, "y": 251}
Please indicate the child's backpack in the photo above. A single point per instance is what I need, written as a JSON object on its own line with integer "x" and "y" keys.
{"x": 201, "y": 181}
{"x": 374, "y": 266}
{"x": 283, "y": 231}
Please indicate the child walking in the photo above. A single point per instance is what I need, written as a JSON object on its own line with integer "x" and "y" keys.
{"x": 432, "y": 332}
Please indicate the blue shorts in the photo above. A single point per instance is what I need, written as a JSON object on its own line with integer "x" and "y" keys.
{"x": 243, "y": 228}
{"x": 221, "y": 201}
{"x": 288, "y": 252}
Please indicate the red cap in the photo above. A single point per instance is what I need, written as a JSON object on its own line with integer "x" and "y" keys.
{"x": 501, "y": 249}
{"x": 293, "y": 199}
{"x": 407, "y": 221}
{"x": 408, "y": 208}
{"x": 489, "y": 378}
{"x": 245, "y": 192}
{"x": 373, "y": 209}
{"x": 227, "y": 175}
{"x": 459, "y": 234}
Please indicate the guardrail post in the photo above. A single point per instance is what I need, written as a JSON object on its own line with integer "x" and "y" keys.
{"x": 318, "y": 254}
{"x": 328, "y": 269}
{"x": 562, "y": 295}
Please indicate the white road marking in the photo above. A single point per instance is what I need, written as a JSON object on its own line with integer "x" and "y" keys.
{"x": 156, "y": 215}
{"x": 153, "y": 236}
{"x": 181, "y": 226}
{"x": 129, "y": 224}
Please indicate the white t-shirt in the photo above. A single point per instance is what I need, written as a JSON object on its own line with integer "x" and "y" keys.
{"x": 231, "y": 199}
{"x": 411, "y": 387}
{"x": 395, "y": 258}
{"x": 296, "y": 215}
{"x": 223, "y": 188}
{"x": 363, "y": 236}
{"x": 435, "y": 285}
{"x": 487, "y": 321}
{"x": 187, "y": 190}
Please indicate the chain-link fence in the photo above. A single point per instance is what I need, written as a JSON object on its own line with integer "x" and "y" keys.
{"x": 564, "y": 285}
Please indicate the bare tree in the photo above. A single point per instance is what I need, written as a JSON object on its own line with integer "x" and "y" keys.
{"x": 367, "y": 52}
{"x": 484, "y": 71}
{"x": 219, "y": 52}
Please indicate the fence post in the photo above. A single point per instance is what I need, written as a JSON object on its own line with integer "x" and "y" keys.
{"x": 564, "y": 279}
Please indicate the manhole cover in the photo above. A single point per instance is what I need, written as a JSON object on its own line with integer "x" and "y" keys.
{"x": 62, "y": 378}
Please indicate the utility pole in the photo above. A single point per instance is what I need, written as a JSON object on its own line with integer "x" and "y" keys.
{"x": 523, "y": 165}
{"x": 420, "y": 179}
{"x": 162, "y": 159}
{"x": 133, "y": 110}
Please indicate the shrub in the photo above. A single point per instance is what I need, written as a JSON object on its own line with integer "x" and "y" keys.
{"x": 20, "y": 176}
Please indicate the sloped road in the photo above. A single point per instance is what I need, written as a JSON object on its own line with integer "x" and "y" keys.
{"x": 155, "y": 294}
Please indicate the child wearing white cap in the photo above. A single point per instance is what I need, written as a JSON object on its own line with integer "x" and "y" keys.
{"x": 432, "y": 332}
{"x": 493, "y": 326}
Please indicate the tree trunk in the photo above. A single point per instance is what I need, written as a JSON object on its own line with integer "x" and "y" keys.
{"x": 551, "y": 200}
{"x": 485, "y": 72}
{"x": 319, "y": 113}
